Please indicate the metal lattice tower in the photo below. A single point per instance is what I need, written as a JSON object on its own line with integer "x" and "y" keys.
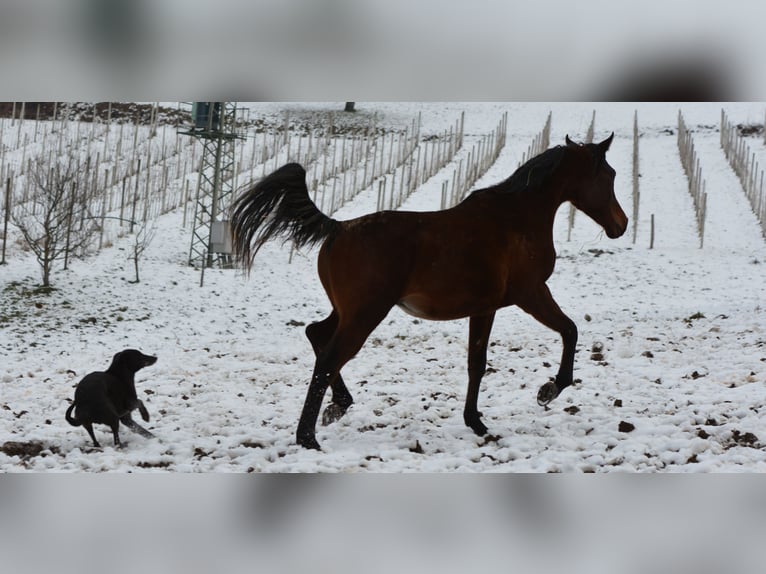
{"x": 214, "y": 124}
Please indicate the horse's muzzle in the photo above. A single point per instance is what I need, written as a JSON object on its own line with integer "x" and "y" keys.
{"x": 619, "y": 223}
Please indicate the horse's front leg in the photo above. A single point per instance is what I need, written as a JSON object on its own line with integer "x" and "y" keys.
{"x": 478, "y": 338}
{"x": 541, "y": 305}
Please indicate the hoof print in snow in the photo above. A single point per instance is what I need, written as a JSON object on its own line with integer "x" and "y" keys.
{"x": 488, "y": 438}
{"x": 154, "y": 464}
{"x": 573, "y": 410}
{"x": 617, "y": 402}
{"x": 294, "y": 323}
{"x": 417, "y": 448}
{"x": 744, "y": 439}
{"x": 200, "y": 454}
{"x": 626, "y": 427}
{"x": 252, "y": 444}
{"x": 597, "y": 352}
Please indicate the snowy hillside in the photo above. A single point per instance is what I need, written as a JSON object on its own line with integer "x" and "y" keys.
{"x": 671, "y": 355}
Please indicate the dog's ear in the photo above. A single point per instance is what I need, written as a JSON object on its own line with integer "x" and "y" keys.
{"x": 118, "y": 358}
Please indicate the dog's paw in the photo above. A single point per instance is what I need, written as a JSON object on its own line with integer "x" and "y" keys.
{"x": 144, "y": 412}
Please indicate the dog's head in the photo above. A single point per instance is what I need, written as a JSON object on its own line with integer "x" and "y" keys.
{"x": 131, "y": 360}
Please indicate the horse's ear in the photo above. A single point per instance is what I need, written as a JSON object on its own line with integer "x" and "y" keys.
{"x": 570, "y": 143}
{"x": 604, "y": 145}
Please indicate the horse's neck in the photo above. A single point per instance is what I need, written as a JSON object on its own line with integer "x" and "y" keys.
{"x": 546, "y": 201}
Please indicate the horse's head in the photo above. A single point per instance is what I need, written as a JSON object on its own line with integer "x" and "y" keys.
{"x": 594, "y": 194}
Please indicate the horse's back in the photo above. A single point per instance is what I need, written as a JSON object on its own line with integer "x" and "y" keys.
{"x": 435, "y": 265}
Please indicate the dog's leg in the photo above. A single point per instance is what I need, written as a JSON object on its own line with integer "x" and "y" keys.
{"x": 89, "y": 427}
{"x": 115, "y": 424}
{"x": 128, "y": 421}
{"x": 142, "y": 409}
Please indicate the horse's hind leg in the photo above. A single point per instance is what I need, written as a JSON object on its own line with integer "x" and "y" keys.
{"x": 342, "y": 346}
{"x": 478, "y": 338}
{"x": 319, "y": 334}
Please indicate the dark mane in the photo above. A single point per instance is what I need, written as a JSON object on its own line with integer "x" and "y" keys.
{"x": 533, "y": 174}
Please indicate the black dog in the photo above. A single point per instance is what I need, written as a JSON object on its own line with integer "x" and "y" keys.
{"x": 109, "y": 397}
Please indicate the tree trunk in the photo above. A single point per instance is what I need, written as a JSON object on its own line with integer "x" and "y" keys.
{"x": 46, "y": 273}
{"x": 349, "y": 107}
{"x": 135, "y": 263}
{"x": 46, "y": 258}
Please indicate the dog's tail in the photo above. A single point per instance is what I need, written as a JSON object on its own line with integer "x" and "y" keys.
{"x": 69, "y": 418}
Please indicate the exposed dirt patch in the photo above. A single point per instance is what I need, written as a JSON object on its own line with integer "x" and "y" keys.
{"x": 26, "y": 450}
{"x": 121, "y": 112}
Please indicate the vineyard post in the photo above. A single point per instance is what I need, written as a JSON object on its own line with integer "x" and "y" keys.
{"x": 703, "y": 210}
{"x": 186, "y": 201}
{"x": 135, "y": 197}
{"x": 418, "y": 171}
{"x": 21, "y": 121}
{"x": 390, "y": 153}
{"x": 148, "y": 181}
{"x": 288, "y": 141}
{"x": 6, "y": 216}
{"x": 366, "y": 162}
{"x": 69, "y": 225}
{"x": 103, "y": 218}
{"x": 37, "y": 122}
{"x": 635, "y": 176}
{"x": 122, "y": 201}
{"x": 393, "y": 187}
{"x": 164, "y": 186}
{"x": 401, "y": 181}
{"x": 591, "y": 128}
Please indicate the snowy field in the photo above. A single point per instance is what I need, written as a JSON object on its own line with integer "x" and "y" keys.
{"x": 671, "y": 355}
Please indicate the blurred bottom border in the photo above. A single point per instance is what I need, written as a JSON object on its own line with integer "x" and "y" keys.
{"x": 382, "y": 523}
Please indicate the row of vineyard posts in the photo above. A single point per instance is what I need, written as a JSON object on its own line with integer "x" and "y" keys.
{"x": 748, "y": 169}
{"x": 121, "y": 176}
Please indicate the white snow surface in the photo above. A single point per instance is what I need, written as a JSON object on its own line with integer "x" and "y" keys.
{"x": 683, "y": 332}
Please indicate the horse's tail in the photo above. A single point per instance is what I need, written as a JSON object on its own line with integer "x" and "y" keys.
{"x": 69, "y": 418}
{"x": 278, "y": 205}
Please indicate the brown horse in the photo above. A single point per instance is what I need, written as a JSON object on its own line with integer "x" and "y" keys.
{"x": 492, "y": 250}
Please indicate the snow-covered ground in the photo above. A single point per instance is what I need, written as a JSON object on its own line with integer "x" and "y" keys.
{"x": 672, "y": 339}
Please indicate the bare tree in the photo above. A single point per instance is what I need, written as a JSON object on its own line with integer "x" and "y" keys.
{"x": 142, "y": 239}
{"x": 56, "y": 220}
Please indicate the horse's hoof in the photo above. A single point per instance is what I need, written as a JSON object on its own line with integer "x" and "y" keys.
{"x": 477, "y": 426}
{"x": 547, "y": 393}
{"x": 332, "y": 413}
{"x": 309, "y": 442}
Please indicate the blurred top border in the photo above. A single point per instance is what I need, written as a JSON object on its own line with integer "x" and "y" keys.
{"x": 299, "y": 50}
